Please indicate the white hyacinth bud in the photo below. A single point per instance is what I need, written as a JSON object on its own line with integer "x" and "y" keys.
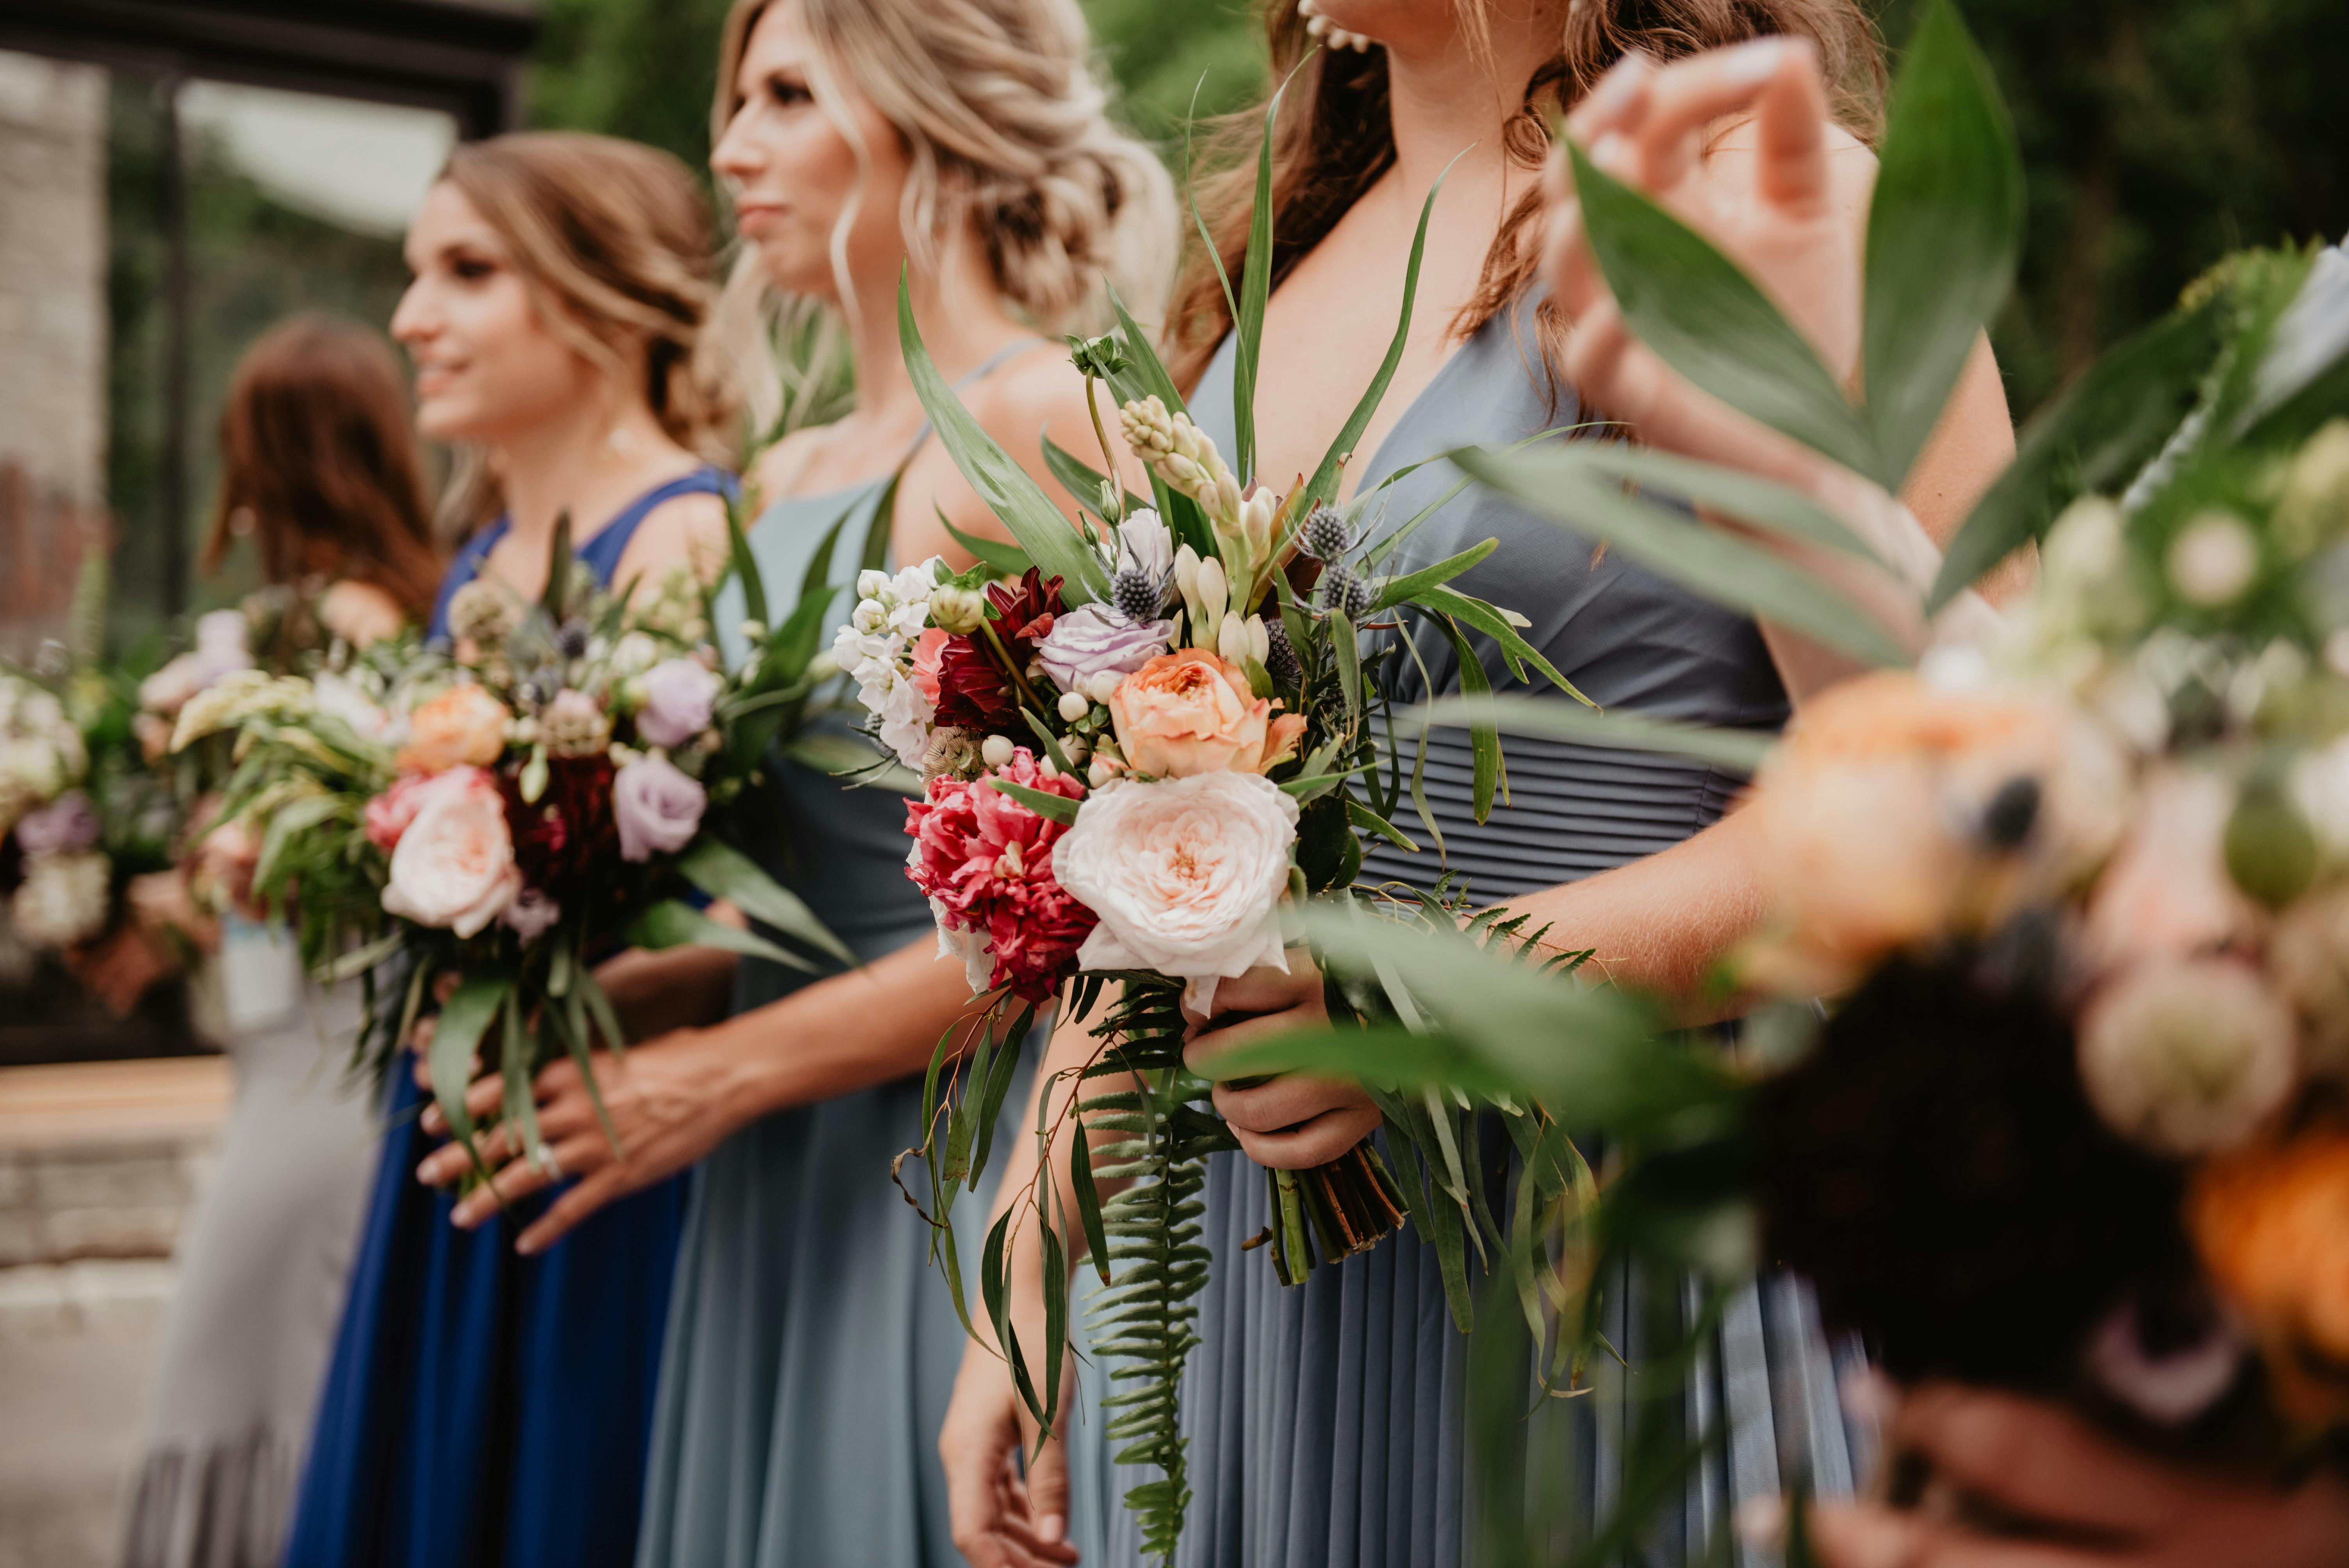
{"x": 1227, "y": 502}
{"x": 1074, "y": 706}
{"x": 1232, "y": 640}
{"x": 754, "y": 631}
{"x": 1215, "y": 589}
{"x": 1103, "y": 686}
{"x": 2214, "y": 559}
{"x": 1256, "y": 524}
{"x": 1187, "y": 573}
{"x": 995, "y": 751}
{"x": 1259, "y": 639}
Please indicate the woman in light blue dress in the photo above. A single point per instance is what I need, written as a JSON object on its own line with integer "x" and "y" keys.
{"x": 1325, "y": 1422}
{"x": 813, "y": 1346}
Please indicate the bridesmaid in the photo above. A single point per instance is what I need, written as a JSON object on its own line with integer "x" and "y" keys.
{"x": 1325, "y": 1421}
{"x": 812, "y": 1350}
{"x": 320, "y": 467}
{"x": 485, "y": 1408}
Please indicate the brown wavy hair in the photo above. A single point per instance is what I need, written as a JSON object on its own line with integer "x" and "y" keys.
{"x": 1334, "y": 139}
{"x": 319, "y": 463}
{"x": 615, "y": 243}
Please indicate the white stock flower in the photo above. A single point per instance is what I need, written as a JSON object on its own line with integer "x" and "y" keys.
{"x": 1186, "y": 875}
{"x": 2213, "y": 559}
{"x": 63, "y": 898}
{"x": 2188, "y": 1058}
{"x": 338, "y": 696}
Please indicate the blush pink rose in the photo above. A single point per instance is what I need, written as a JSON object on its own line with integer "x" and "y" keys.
{"x": 390, "y": 813}
{"x": 1189, "y": 712}
{"x": 928, "y": 648}
{"x": 454, "y": 869}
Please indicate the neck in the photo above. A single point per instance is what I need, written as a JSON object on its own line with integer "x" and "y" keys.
{"x": 962, "y": 320}
{"x": 1448, "y": 99}
{"x": 566, "y": 462}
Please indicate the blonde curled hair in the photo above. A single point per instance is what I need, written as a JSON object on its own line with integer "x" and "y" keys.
{"x": 613, "y": 241}
{"x": 1007, "y": 130}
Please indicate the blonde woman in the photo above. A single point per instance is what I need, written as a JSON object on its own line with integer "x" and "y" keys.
{"x": 963, "y": 144}
{"x": 483, "y": 1407}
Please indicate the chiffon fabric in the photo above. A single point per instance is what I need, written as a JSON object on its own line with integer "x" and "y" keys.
{"x": 262, "y": 1271}
{"x": 813, "y": 1343}
{"x": 485, "y": 1408}
{"x": 1326, "y": 1421}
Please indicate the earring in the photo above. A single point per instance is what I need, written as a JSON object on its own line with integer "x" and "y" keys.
{"x": 1326, "y": 32}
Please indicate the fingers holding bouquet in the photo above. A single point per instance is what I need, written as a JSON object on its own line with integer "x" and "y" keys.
{"x": 1288, "y": 1121}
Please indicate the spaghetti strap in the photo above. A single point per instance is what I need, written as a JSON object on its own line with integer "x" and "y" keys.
{"x": 986, "y": 368}
{"x": 601, "y": 554}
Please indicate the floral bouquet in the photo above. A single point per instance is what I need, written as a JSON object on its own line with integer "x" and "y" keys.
{"x": 1147, "y": 737}
{"x": 557, "y": 783}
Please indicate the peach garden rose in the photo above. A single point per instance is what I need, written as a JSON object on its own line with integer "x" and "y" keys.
{"x": 1188, "y": 713}
{"x": 454, "y": 869}
{"x": 463, "y": 726}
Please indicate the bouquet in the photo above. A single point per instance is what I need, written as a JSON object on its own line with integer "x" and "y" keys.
{"x": 1147, "y": 738}
{"x": 2072, "y": 1121}
{"x": 80, "y": 815}
{"x": 503, "y": 814}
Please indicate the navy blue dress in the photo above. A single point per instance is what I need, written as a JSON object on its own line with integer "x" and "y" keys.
{"x": 483, "y": 1407}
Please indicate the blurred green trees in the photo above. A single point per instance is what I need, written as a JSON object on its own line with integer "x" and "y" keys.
{"x": 2159, "y": 133}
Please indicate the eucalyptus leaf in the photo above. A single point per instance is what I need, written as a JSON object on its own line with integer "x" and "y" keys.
{"x": 1944, "y": 228}
{"x": 1738, "y": 750}
{"x": 1055, "y": 807}
{"x": 465, "y": 1017}
{"x": 1408, "y": 587}
{"x": 1008, "y": 560}
{"x": 673, "y": 923}
{"x": 723, "y": 871}
{"x": 1709, "y": 321}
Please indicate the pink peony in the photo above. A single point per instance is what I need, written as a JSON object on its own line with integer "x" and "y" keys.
{"x": 658, "y": 807}
{"x": 985, "y": 862}
{"x": 454, "y": 869}
{"x": 679, "y": 696}
{"x": 390, "y": 813}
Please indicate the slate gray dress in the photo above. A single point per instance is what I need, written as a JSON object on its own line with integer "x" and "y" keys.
{"x": 812, "y": 1347}
{"x": 263, "y": 1270}
{"x": 1326, "y": 1421}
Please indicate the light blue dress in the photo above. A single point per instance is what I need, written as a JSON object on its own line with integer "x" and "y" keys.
{"x": 1326, "y": 1421}
{"x": 812, "y": 1347}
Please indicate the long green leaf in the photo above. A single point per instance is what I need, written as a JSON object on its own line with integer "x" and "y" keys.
{"x": 1016, "y": 500}
{"x": 1255, "y": 287}
{"x": 1401, "y": 590}
{"x": 464, "y": 1018}
{"x": 1323, "y": 485}
{"x": 1484, "y": 738}
{"x": 1043, "y": 802}
{"x": 1006, "y": 559}
{"x": 724, "y": 872}
{"x": 2090, "y": 440}
{"x": 1694, "y": 306}
{"x": 1081, "y": 479}
{"x": 1698, "y": 556}
{"x": 1756, "y": 503}
{"x": 1739, "y": 750}
{"x": 673, "y": 923}
{"x": 1488, "y": 619}
{"x": 1145, "y": 374}
{"x": 1944, "y": 228}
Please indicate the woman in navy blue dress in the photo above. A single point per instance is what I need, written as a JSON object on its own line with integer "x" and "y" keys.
{"x": 487, "y": 1406}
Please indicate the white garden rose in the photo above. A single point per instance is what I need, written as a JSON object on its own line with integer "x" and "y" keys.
{"x": 454, "y": 869}
{"x": 1186, "y": 875}
{"x": 2186, "y": 1058}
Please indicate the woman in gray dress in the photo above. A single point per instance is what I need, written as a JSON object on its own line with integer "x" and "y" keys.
{"x": 962, "y": 143}
{"x": 321, "y": 470}
{"x": 1325, "y": 1421}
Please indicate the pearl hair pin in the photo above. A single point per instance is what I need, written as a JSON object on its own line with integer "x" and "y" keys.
{"x": 1324, "y": 31}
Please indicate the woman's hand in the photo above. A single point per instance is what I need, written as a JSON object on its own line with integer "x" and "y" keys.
{"x": 671, "y": 1100}
{"x": 2042, "y": 1462}
{"x": 1289, "y": 1121}
{"x": 1777, "y": 204}
{"x": 1001, "y": 1518}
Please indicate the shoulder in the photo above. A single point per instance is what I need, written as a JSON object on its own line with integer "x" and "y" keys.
{"x": 687, "y": 530}
{"x": 360, "y": 613}
{"x": 1036, "y": 390}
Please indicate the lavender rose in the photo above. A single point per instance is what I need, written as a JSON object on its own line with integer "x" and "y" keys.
{"x": 530, "y": 913}
{"x": 67, "y": 823}
{"x": 658, "y": 807}
{"x": 678, "y": 694}
{"x": 1088, "y": 641}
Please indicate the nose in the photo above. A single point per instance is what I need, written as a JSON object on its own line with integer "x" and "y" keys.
{"x": 414, "y": 319}
{"x": 736, "y": 156}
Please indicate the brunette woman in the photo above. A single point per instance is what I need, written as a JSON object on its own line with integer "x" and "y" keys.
{"x": 961, "y": 144}
{"x": 485, "y": 1408}
{"x": 1326, "y": 1421}
{"x": 320, "y": 470}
